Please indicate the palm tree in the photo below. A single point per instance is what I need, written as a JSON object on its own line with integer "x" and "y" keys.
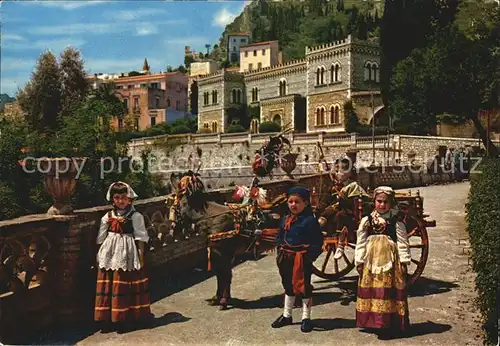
{"x": 207, "y": 46}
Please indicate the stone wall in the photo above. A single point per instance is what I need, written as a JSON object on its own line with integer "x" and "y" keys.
{"x": 268, "y": 81}
{"x": 427, "y": 146}
{"x": 227, "y": 158}
{"x": 325, "y": 100}
{"x": 325, "y": 57}
{"x": 284, "y": 107}
{"x": 363, "y": 52}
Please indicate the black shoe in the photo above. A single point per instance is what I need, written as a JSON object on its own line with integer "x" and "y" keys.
{"x": 281, "y": 322}
{"x": 306, "y": 326}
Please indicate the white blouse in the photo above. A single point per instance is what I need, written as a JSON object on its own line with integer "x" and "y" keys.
{"x": 118, "y": 251}
{"x": 362, "y": 239}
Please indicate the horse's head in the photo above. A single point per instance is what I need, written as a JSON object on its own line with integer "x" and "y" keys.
{"x": 190, "y": 197}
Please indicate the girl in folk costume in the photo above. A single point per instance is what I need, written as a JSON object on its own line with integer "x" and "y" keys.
{"x": 382, "y": 255}
{"x": 122, "y": 286}
{"x": 299, "y": 244}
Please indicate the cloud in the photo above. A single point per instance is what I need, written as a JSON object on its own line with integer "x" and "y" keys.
{"x": 56, "y": 45}
{"x": 10, "y": 85}
{"x": 224, "y": 17}
{"x": 146, "y": 31}
{"x": 65, "y": 5}
{"x": 11, "y": 64}
{"x": 134, "y": 15}
{"x": 96, "y": 28}
{"x": 11, "y": 37}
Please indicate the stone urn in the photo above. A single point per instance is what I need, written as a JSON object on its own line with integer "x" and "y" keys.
{"x": 289, "y": 163}
{"x": 352, "y": 154}
{"x": 60, "y": 181}
{"x": 411, "y": 157}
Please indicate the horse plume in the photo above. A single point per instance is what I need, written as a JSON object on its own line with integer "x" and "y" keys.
{"x": 191, "y": 186}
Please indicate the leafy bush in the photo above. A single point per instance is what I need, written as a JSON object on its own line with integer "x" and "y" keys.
{"x": 235, "y": 128}
{"x": 156, "y": 130}
{"x": 180, "y": 129}
{"x": 366, "y": 130}
{"x": 269, "y": 126}
{"x": 483, "y": 225}
{"x": 447, "y": 118}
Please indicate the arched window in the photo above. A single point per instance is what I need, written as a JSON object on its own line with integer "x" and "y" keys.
{"x": 255, "y": 94}
{"x": 335, "y": 114}
{"x": 254, "y": 126}
{"x": 336, "y": 73}
{"x": 238, "y": 96}
{"x": 318, "y": 75}
{"x": 375, "y": 72}
{"x": 320, "y": 116}
{"x": 214, "y": 96}
{"x": 168, "y": 102}
{"x": 206, "y": 125}
{"x": 233, "y": 96}
{"x": 277, "y": 119}
{"x": 282, "y": 87}
{"x": 368, "y": 71}
{"x": 323, "y": 70}
{"x": 214, "y": 127}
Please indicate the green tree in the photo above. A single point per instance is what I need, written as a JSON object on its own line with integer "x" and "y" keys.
{"x": 74, "y": 85}
{"x": 340, "y": 5}
{"x": 408, "y": 25}
{"x": 188, "y": 59}
{"x": 269, "y": 126}
{"x": 351, "y": 118}
{"x": 109, "y": 95}
{"x": 40, "y": 99}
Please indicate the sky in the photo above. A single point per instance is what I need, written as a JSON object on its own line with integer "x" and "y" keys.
{"x": 113, "y": 36}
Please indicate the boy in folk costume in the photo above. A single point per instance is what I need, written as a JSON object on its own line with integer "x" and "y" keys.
{"x": 122, "y": 286}
{"x": 344, "y": 191}
{"x": 299, "y": 244}
{"x": 382, "y": 255}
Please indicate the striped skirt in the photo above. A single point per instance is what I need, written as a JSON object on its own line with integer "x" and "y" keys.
{"x": 382, "y": 297}
{"x": 121, "y": 296}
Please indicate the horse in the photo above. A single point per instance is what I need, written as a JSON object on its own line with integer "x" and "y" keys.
{"x": 224, "y": 226}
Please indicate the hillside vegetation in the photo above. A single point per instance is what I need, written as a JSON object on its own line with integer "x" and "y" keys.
{"x": 297, "y": 24}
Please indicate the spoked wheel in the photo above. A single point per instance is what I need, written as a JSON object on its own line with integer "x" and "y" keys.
{"x": 326, "y": 267}
{"x": 419, "y": 247}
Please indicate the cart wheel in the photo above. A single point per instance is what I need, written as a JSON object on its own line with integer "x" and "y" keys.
{"x": 326, "y": 267}
{"x": 419, "y": 247}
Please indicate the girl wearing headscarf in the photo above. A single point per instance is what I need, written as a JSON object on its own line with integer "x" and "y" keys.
{"x": 122, "y": 286}
{"x": 299, "y": 244}
{"x": 382, "y": 255}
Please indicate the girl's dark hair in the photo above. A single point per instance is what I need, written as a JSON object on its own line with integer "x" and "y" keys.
{"x": 118, "y": 189}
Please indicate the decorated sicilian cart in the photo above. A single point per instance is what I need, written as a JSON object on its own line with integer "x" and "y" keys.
{"x": 410, "y": 205}
{"x": 259, "y": 220}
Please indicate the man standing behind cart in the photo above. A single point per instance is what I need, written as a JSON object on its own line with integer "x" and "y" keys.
{"x": 344, "y": 191}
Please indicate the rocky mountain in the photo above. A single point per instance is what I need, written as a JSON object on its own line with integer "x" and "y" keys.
{"x": 299, "y": 23}
{"x": 5, "y": 98}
